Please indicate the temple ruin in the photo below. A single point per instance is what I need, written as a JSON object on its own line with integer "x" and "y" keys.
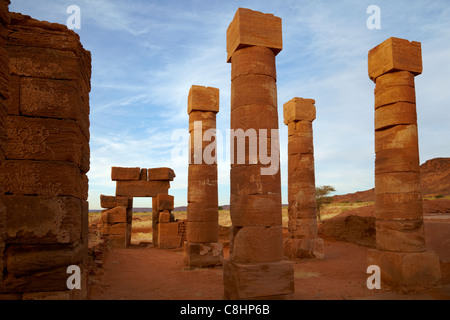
{"x": 45, "y": 76}
{"x": 45, "y": 115}
{"x": 147, "y": 183}
{"x": 256, "y": 268}
{"x": 401, "y": 253}
{"x": 303, "y": 240}
{"x": 202, "y": 247}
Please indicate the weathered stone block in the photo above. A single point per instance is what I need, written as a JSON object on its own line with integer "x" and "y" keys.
{"x": 202, "y": 232}
{"x": 401, "y": 113}
{"x": 203, "y": 254}
{"x": 393, "y": 95}
{"x": 165, "y": 202}
{"x": 258, "y": 281}
{"x": 164, "y": 217}
{"x": 406, "y": 272}
{"x": 203, "y": 99}
{"x": 395, "y": 79}
{"x": 125, "y": 174}
{"x": 299, "y": 109}
{"x": 303, "y": 228}
{"x": 50, "y": 98}
{"x": 34, "y": 62}
{"x": 246, "y": 118}
{"x": 161, "y": 174}
{"x": 118, "y": 229}
{"x": 397, "y": 160}
{"x": 207, "y": 119}
{"x": 253, "y": 60}
{"x": 115, "y": 215}
{"x": 202, "y": 187}
{"x": 399, "y": 206}
{"x": 300, "y": 145}
{"x": 397, "y": 182}
{"x": 256, "y": 210}
{"x": 168, "y": 237}
{"x": 43, "y": 178}
{"x": 395, "y": 54}
{"x": 143, "y": 175}
{"x": 109, "y": 202}
{"x": 43, "y": 220}
{"x": 253, "y": 28}
{"x": 257, "y": 244}
{"x": 13, "y": 102}
{"x": 44, "y": 139}
{"x": 26, "y": 260}
{"x": 203, "y": 212}
{"x": 141, "y": 188}
{"x": 397, "y": 138}
{"x": 400, "y": 235}
{"x": 247, "y": 180}
{"x": 253, "y": 90}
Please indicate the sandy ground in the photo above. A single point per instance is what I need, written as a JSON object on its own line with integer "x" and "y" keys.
{"x": 153, "y": 274}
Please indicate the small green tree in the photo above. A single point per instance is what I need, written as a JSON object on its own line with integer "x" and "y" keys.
{"x": 322, "y": 198}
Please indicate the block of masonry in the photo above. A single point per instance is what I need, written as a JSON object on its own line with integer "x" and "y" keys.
{"x": 168, "y": 229}
{"x": 256, "y": 268}
{"x": 131, "y": 183}
{"x": 44, "y": 111}
{"x": 401, "y": 253}
{"x": 5, "y": 95}
{"x": 202, "y": 247}
{"x": 303, "y": 240}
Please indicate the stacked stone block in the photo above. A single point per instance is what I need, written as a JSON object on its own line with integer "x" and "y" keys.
{"x": 256, "y": 269}
{"x": 202, "y": 247}
{"x": 303, "y": 240}
{"x": 4, "y": 95}
{"x": 116, "y": 220}
{"x": 168, "y": 228}
{"x": 43, "y": 179}
{"x": 131, "y": 183}
{"x": 401, "y": 253}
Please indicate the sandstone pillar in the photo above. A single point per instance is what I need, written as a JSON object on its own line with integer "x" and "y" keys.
{"x": 401, "y": 253}
{"x": 255, "y": 269}
{"x": 201, "y": 248}
{"x": 303, "y": 240}
{"x": 4, "y": 95}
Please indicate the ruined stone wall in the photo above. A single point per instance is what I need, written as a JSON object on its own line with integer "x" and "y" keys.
{"x": 43, "y": 180}
{"x": 4, "y": 94}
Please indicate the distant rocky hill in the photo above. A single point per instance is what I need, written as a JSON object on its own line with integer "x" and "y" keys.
{"x": 435, "y": 180}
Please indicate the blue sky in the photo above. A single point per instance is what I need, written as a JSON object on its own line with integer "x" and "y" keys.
{"x": 147, "y": 55}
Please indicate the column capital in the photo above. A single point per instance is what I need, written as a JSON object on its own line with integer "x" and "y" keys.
{"x": 299, "y": 109}
{"x": 254, "y": 28}
{"x": 203, "y": 99}
{"x": 393, "y": 55}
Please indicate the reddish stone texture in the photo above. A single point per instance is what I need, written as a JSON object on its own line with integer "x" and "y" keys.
{"x": 202, "y": 228}
{"x": 256, "y": 268}
{"x": 303, "y": 240}
{"x": 131, "y": 183}
{"x": 401, "y": 250}
{"x": 5, "y": 93}
{"x": 43, "y": 178}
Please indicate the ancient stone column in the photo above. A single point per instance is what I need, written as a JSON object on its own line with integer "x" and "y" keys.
{"x": 255, "y": 269}
{"x": 201, "y": 248}
{"x": 4, "y": 95}
{"x": 406, "y": 265}
{"x": 303, "y": 240}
